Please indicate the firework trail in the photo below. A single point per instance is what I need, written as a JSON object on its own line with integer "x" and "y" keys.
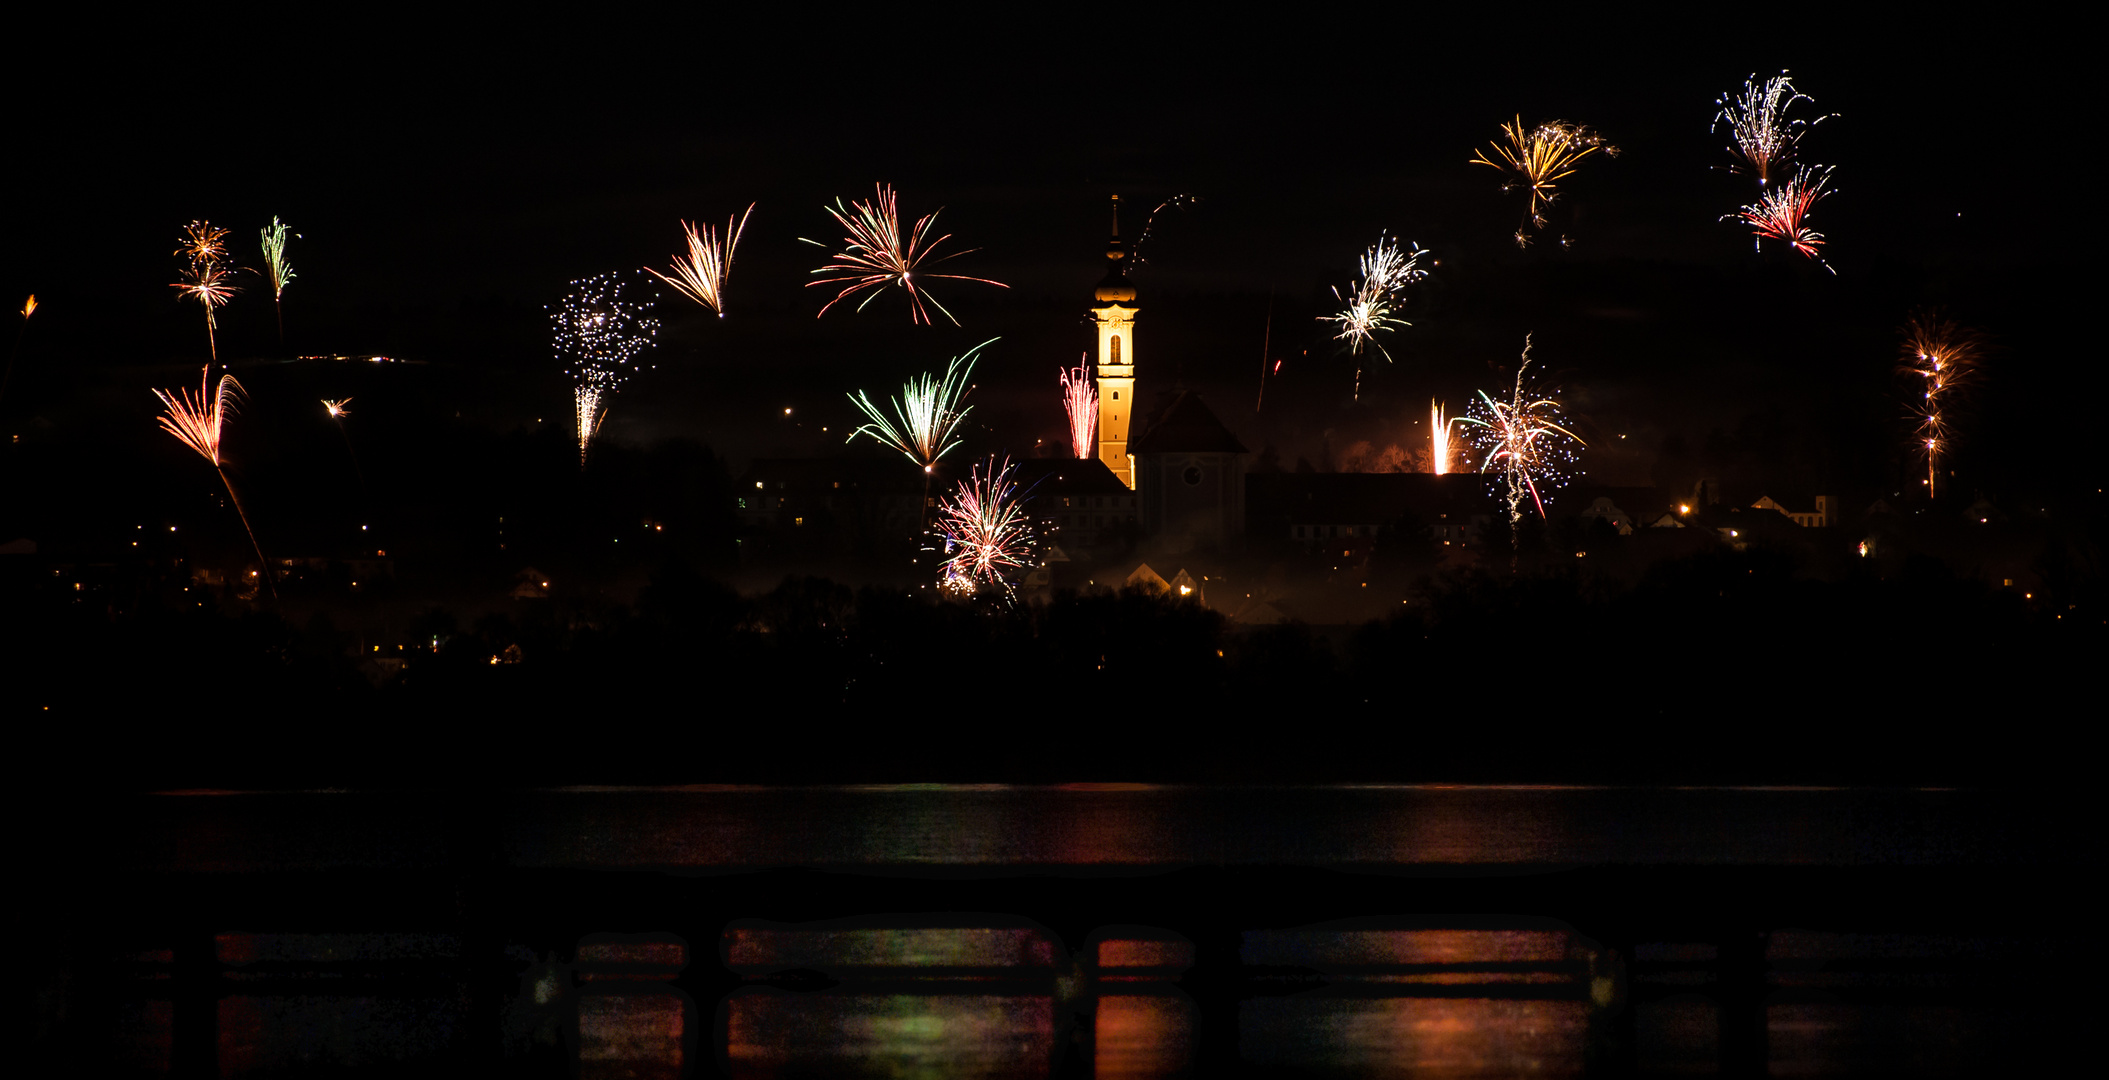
{"x": 1523, "y": 441}
{"x": 876, "y": 255}
{"x": 1943, "y": 356}
{"x": 198, "y": 423}
{"x": 1439, "y": 453}
{"x": 1781, "y": 213}
{"x": 205, "y": 279}
{"x": 987, "y": 533}
{"x": 701, "y": 277}
{"x": 1386, "y": 271}
{"x": 1540, "y": 157}
{"x": 1080, "y": 401}
{"x": 278, "y": 270}
{"x": 1765, "y": 139}
{"x": 599, "y": 337}
{"x": 1259, "y": 400}
{"x": 1181, "y": 200}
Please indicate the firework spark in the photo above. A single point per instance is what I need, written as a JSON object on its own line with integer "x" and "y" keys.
{"x": 29, "y": 307}
{"x": 205, "y": 279}
{"x": 876, "y": 255}
{"x": 1439, "y": 452}
{"x": 1080, "y": 401}
{"x": 1943, "y": 356}
{"x": 1781, "y": 213}
{"x": 599, "y": 337}
{"x": 338, "y": 412}
{"x": 925, "y": 415}
{"x": 987, "y": 534}
{"x": 701, "y": 277}
{"x": 277, "y": 269}
{"x": 1372, "y": 301}
{"x": 1540, "y": 157}
{"x": 1765, "y": 139}
{"x": 1523, "y": 441}
{"x": 589, "y": 406}
{"x": 198, "y": 422}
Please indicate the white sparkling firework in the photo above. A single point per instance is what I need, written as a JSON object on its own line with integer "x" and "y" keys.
{"x": 1373, "y": 300}
{"x": 1765, "y": 139}
{"x": 599, "y": 337}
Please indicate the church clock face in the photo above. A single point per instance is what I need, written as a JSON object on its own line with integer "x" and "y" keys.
{"x": 1192, "y": 475}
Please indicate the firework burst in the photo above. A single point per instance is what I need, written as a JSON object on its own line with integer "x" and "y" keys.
{"x": 1781, "y": 213}
{"x": 1373, "y": 301}
{"x": 277, "y": 269}
{"x": 205, "y": 279}
{"x": 701, "y": 276}
{"x": 198, "y": 422}
{"x": 599, "y": 337}
{"x": 1080, "y": 401}
{"x": 876, "y": 255}
{"x": 1765, "y": 139}
{"x": 1943, "y": 357}
{"x": 203, "y": 242}
{"x": 1523, "y": 440}
{"x": 925, "y": 414}
{"x": 987, "y": 534}
{"x": 1539, "y": 158}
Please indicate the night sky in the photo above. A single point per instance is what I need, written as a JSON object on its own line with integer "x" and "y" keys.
{"x": 447, "y": 180}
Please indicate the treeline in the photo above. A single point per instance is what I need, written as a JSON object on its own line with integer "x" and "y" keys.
{"x": 1722, "y": 667}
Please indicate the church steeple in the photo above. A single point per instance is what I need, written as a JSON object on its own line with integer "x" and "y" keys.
{"x": 1115, "y": 315}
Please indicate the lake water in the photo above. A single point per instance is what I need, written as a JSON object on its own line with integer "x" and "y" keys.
{"x": 1084, "y": 930}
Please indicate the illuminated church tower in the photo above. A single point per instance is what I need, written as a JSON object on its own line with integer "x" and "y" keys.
{"x": 1115, "y": 315}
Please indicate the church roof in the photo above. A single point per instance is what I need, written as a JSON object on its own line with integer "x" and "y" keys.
{"x": 1066, "y": 476}
{"x": 1116, "y": 289}
{"x": 1186, "y": 426}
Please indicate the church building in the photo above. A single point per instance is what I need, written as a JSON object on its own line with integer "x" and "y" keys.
{"x": 1186, "y": 467}
{"x": 1115, "y": 316}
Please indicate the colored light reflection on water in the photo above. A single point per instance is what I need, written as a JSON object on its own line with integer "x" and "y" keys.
{"x": 760, "y": 950}
{"x": 1419, "y": 1037}
{"x": 637, "y": 1035}
{"x": 1141, "y": 1036}
{"x": 773, "y": 1033}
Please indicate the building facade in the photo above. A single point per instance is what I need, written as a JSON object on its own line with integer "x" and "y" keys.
{"x": 1115, "y": 315}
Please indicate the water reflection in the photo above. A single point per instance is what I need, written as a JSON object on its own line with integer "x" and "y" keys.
{"x": 1090, "y": 825}
{"x": 1416, "y": 1037}
{"x": 775, "y": 1033}
{"x": 283, "y": 1034}
{"x": 640, "y": 1035}
{"x": 1138, "y": 1035}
